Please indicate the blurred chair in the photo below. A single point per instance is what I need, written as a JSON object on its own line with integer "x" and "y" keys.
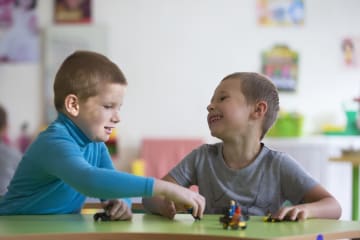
{"x": 161, "y": 155}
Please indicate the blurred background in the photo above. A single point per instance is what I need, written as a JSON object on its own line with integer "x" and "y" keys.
{"x": 175, "y": 52}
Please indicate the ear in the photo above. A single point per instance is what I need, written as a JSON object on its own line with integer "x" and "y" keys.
{"x": 72, "y": 105}
{"x": 260, "y": 108}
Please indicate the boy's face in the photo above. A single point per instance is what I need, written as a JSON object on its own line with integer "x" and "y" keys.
{"x": 99, "y": 115}
{"x": 228, "y": 111}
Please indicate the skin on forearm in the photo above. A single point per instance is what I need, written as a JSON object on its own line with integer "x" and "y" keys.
{"x": 325, "y": 208}
{"x": 321, "y": 204}
{"x": 156, "y": 203}
{"x": 318, "y": 203}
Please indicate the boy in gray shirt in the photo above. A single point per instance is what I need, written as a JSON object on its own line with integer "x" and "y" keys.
{"x": 241, "y": 168}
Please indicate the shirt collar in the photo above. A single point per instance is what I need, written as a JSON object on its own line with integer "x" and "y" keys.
{"x": 78, "y": 135}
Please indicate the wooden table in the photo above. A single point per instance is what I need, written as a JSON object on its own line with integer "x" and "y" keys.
{"x": 352, "y": 157}
{"x": 149, "y": 227}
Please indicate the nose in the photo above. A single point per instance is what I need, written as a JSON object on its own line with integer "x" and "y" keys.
{"x": 210, "y": 107}
{"x": 116, "y": 117}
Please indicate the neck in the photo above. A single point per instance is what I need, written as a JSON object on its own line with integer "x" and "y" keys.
{"x": 239, "y": 154}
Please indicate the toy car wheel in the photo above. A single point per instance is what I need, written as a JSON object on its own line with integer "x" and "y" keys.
{"x": 225, "y": 226}
{"x": 234, "y": 227}
{"x": 101, "y": 217}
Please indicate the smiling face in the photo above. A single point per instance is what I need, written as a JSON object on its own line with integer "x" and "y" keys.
{"x": 228, "y": 111}
{"x": 98, "y": 115}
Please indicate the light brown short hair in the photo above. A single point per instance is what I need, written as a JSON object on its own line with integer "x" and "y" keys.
{"x": 257, "y": 87}
{"x": 82, "y": 73}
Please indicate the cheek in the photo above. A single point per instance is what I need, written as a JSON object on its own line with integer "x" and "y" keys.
{"x": 237, "y": 117}
{"x": 96, "y": 118}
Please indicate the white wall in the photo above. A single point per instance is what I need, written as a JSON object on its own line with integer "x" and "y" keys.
{"x": 174, "y": 53}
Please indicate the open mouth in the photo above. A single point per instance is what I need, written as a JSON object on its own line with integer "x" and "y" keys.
{"x": 108, "y": 130}
{"x": 213, "y": 119}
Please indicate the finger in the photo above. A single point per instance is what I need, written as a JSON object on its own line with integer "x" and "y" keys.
{"x": 113, "y": 207}
{"x": 200, "y": 210}
{"x": 171, "y": 212}
{"x": 301, "y": 215}
{"x": 194, "y": 209}
{"x": 200, "y": 203}
{"x": 293, "y": 214}
{"x": 122, "y": 212}
{"x": 281, "y": 213}
{"x": 104, "y": 204}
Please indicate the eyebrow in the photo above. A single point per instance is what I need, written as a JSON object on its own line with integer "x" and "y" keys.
{"x": 222, "y": 92}
{"x": 218, "y": 93}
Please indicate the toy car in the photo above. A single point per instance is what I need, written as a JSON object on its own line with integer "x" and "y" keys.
{"x": 270, "y": 218}
{"x": 102, "y": 216}
{"x": 233, "y": 218}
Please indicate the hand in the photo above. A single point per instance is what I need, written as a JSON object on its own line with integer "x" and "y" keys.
{"x": 168, "y": 209}
{"x": 181, "y": 196}
{"x": 117, "y": 209}
{"x": 291, "y": 213}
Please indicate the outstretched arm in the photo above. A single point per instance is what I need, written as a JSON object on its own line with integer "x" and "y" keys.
{"x": 318, "y": 203}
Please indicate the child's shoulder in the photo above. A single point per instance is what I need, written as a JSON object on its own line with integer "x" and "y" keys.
{"x": 276, "y": 155}
{"x": 211, "y": 148}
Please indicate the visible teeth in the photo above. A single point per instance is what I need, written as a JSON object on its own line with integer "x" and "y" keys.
{"x": 215, "y": 118}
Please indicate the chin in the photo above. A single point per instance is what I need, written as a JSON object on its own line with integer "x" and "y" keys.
{"x": 101, "y": 139}
{"x": 214, "y": 134}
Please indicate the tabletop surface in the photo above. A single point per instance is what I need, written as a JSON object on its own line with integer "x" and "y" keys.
{"x": 183, "y": 224}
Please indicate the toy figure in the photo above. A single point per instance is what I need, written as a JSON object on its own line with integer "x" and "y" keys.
{"x": 233, "y": 217}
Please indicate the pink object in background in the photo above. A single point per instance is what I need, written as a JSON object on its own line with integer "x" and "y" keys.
{"x": 24, "y": 139}
{"x": 161, "y": 155}
{"x": 5, "y": 139}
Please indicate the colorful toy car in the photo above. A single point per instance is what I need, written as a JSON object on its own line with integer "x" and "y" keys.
{"x": 233, "y": 218}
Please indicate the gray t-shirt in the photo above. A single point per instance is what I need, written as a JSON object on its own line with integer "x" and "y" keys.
{"x": 259, "y": 188}
{"x": 9, "y": 159}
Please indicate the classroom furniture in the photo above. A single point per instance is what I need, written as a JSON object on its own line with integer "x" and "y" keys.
{"x": 162, "y": 154}
{"x": 352, "y": 157}
{"x": 147, "y": 226}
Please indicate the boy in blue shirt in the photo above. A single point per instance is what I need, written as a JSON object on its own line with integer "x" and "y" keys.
{"x": 69, "y": 160}
{"x": 241, "y": 168}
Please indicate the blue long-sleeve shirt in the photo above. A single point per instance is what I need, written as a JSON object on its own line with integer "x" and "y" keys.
{"x": 61, "y": 168}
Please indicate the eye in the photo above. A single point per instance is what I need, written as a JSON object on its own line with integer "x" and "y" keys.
{"x": 222, "y": 98}
{"x": 108, "y": 106}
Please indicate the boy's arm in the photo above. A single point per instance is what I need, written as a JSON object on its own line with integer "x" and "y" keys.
{"x": 159, "y": 204}
{"x": 318, "y": 203}
{"x": 107, "y": 163}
